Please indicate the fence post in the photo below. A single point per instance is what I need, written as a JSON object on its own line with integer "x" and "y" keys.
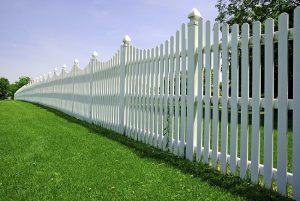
{"x": 124, "y": 51}
{"x": 92, "y": 70}
{"x": 75, "y": 66}
{"x": 63, "y": 71}
{"x": 192, "y": 79}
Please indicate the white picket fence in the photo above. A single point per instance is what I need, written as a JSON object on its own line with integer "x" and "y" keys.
{"x": 158, "y": 96}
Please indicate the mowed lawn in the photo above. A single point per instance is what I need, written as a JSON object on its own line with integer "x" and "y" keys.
{"x": 46, "y": 155}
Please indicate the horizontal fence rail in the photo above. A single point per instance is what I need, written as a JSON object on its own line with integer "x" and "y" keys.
{"x": 227, "y": 96}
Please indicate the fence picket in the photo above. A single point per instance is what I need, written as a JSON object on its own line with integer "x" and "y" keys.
{"x": 234, "y": 98}
{"x": 183, "y": 91}
{"x": 161, "y": 88}
{"x": 165, "y": 91}
{"x": 151, "y": 102}
{"x": 140, "y": 78}
{"x": 269, "y": 94}
{"x": 143, "y": 88}
{"x": 216, "y": 65}
{"x": 224, "y": 116}
{"x": 207, "y": 94}
{"x": 296, "y": 109}
{"x": 244, "y": 101}
{"x": 132, "y": 112}
{"x": 136, "y": 120}
{"x": 171, "y": 109}
{"x": 256, "y": 86}
{"x": 156, "y": 116}
{"x": 200, "y": 90}
{"x": 177, "y": 94}
{"x": 147, "y": 101}
{"x": 282, "y": 103}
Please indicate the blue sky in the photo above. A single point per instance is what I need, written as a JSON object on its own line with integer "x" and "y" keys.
{"x": 37, "y": 36}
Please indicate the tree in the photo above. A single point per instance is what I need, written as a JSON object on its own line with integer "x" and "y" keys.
{"x": 4, "y": 88}
{"x": 248, "y": 11}
{"x": 23, "y": 80}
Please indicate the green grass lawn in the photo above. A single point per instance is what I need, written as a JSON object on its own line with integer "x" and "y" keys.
{"x": 47, "y": 155}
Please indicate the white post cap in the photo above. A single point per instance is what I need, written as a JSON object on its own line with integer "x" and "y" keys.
{"x": 194, "y": 14}
{"x": 76, "y": 62}
{"x": 95, "y": 55}
{"x": 126, "y": 39}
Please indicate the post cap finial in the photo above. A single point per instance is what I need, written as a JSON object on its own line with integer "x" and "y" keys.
{"x": 76, "y": 62}
{"x": 126, "y": 39}
{"x": 95, "y": 54}
{"x": 194, "y": 14}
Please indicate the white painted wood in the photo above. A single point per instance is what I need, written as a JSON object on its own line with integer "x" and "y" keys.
{"x": 192, "y": 45}
{"x": 171, "y": 96}
{"x": 166, "y": 125}
{"x": 296, "y": 110}
{"x": 234, "y": 98}
{"x": 151, "y": 101}
{"x": 133, "y": 87}
{"x": 216, "y": 66}
{"x": 200, "y": 91}
{"x": 143, "y": 95}
{"x": 147, "y": 101}
{"x": 161, "y": 88}
{"x": 224, "y": 116}
{"x": 183, "y": 91}
{"x": 269, "y": 95}
{"x": 129, "y": 92}
{"x": 177, "y": 91}
{"x": 207, "y": 93}
{"x": 244, "y": 100}
{"x": 156, "y": 116}
{"x": 256, "y": 86}
{"x": 282, "y": 103}
{"x": 137, "y": 52}
{"x": 127, "y": 118}
{"x": 140, "y": 78}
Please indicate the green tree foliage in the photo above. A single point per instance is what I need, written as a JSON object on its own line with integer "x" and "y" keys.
{"x": 23, "y": 80}
{"x": 248, "y": 11}
{"x": 8, "y": 90}
{"x": 4, "y": 88}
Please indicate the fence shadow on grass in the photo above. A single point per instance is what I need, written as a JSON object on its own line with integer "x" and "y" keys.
{"x": 231, "y": 184}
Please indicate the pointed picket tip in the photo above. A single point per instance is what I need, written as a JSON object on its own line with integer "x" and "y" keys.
{"x": 126, "y": 39}
{"x": 194, "y": 14}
